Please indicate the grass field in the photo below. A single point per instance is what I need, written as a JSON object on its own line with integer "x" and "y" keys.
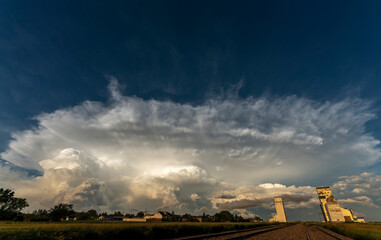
{"x": 358, "y": 231}
{"x": 111, "y": 230}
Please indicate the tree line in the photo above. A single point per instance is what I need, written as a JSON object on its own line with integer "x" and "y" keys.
{"x": 11, "y": 206}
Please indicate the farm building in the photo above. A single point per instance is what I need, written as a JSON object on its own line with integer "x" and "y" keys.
{"x": 160, "y": 217}
{"x": 134, "y": 220}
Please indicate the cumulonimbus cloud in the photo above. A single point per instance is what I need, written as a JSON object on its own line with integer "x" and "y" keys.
{"x": 133, "y": 152}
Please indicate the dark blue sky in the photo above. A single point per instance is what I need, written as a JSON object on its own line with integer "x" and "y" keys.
{"x": 326, "y": 55}
{"x": 55, "y": 54}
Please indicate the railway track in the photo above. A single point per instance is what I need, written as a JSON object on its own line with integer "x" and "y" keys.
{"x": 233, "y": 235}
{"x": 325, "y": 232}
{"x": 294, "y": 231}
{"x": 308, "y": 234}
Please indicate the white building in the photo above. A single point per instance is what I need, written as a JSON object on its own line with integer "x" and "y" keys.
{"x": 159, "y": 216}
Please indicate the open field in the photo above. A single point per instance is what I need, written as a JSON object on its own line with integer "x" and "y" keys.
{"x": 124, "y": 230}
{"x": 112, "y": 230}
{"x": 363, "y": 231}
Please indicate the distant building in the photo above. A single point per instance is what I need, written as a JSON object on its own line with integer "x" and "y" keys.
{"x": 280, "y": 215}
{"x": 360, "y": 220}
{"x": 110, "y": 218}
{"x": 134, "y": 220}
{"x": 160, "y": 217}
{"x": 256, "y": 219}
{"x": 114, "y": 218}
{"x": 331, "y": 209}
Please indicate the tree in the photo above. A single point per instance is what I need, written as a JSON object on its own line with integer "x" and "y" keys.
{"x": 118, "y": 213}
{"x": 224, "y": 216}
{"x": 105, "y": 214}
{"x": 129, "y": 215}
{"x": 238, "y": 218}
{"x": 92, "y": 214}
{"x": 40, "y": 212}
{"x": 80, "y": 216}
{"x": 188, "y": 217}
{"x": 61, "y": 211}
{"x": 140, "y": 214}
{"x": 258, "y": 219}
{"x": 10, "y": 206}
{"x": 40, "y": 215}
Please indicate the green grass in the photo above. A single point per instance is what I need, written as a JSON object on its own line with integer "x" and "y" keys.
{"x": 358, "y": 231}
{"x": 111, "y": 230}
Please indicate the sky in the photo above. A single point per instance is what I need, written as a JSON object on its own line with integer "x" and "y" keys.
{"x": 191, "y": 106}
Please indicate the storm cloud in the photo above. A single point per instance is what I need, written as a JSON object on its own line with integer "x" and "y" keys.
{"x": 134, "y": 153}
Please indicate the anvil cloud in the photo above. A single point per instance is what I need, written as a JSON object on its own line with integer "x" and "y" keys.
{"x": 135, "y": 153}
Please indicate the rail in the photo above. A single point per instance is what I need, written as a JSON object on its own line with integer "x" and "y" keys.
{"x": 323, "y": 231}
{"x": 308, "y": 235}
{"x": 328, "y": 233}
{"x": 252, "y": 232}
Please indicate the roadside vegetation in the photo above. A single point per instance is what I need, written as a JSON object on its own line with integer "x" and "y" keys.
{"x": 111, "y": 230}
{"x": 358, "y": 231}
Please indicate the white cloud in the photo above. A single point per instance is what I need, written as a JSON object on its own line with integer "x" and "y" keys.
{"x": 360, "y": 200}
{"x": 358, "y": 190}
{"x": 272, "y": 185}
{"x": 134, "y": 153}
{"x": 367, "y": 185}
{"x": 245, "y": 213}
{"x": 194, "y": 196}
{"x": 262, "y": 196}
